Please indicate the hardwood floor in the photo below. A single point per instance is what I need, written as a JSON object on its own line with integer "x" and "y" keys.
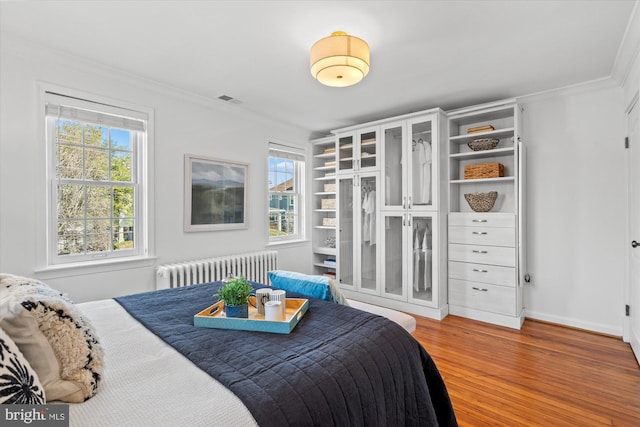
{"x": 542, "y": 375}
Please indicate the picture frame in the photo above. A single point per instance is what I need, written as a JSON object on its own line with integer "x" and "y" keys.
{"x": 215, "y": 194}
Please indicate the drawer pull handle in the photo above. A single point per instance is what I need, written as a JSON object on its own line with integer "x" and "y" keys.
{"x": 480, "y": 270}
{"x": 478, "y": 220}
{"x": 479, "y": 233}
{"x": 480, "y": 289}
{"x": 478, "y": 252}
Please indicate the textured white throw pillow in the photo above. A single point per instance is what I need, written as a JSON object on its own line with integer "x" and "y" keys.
{"x": 19, "y": 383}
{"x": 53, "y": 335}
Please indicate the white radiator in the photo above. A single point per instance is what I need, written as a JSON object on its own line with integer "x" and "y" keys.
{"x": 254, "y": 266}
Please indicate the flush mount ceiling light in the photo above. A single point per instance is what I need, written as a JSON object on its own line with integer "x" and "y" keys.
{"x": 339, "y": 60}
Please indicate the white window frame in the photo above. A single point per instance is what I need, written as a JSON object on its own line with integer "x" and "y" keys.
{"x": 298, "y": 155}
{"x": 142, "y": 179}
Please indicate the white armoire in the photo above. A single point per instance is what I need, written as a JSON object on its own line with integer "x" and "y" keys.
{"x": 389, "y": 236}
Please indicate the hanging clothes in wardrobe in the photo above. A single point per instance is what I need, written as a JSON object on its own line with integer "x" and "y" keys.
{"x": 427, "y": 252}
{"x": 372, "y": 215}
{"x": 416, "y": 260}
{"x": 422, "y": 158}
{"x": 369, "y": 216}
{"x": 366, "y": 218}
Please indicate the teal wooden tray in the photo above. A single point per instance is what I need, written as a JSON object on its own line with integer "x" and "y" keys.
{"x": 296, "y": 308}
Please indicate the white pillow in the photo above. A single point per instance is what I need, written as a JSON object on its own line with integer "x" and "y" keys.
{"x": 54, "y": 336}
{"x": 19, "y": 384}
{"x": 337, "y": 293}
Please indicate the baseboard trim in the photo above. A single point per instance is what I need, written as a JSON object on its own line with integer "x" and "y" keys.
{"x": 635, "y": 344}
{"x": 407, "y": 307}
{"x": 575, "y": 323}
{"x": 514, "y": 322}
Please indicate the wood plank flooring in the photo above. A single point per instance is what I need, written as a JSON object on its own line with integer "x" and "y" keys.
{"x": 541, "y": 375}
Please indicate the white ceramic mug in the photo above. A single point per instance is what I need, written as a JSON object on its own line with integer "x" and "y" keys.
{"x": 262, "y": 296}
{"x": 272, "y": 310}
{"x": 279, "y": 295}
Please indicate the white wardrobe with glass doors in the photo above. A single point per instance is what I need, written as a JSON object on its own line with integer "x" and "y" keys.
{"x": 389, "y": 229}
{"x": 411, "y": 227}
{"x": 357, "y": 184}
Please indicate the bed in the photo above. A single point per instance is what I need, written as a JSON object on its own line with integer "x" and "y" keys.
{"x": 339, "y": 366}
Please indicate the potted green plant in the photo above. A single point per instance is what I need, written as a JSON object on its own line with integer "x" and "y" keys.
{"x": 235, "y": 295}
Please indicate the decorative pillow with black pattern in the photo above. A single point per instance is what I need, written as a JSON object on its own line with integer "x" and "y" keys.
{"x": 53, "y": 335}
{"x": 19, "y": 384}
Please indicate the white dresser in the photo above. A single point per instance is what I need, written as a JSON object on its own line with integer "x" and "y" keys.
{"x": 482, "y": 263}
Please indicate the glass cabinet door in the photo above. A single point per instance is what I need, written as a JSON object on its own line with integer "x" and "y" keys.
{"x": 393, "y": 230}
{"x": 368, "y": 253}
{"x": 368, "y": 149}
{"x": 393, "y": 173}
{"x": 422, "y": 259}
{"x": 346, "y": 159}
{"x": 422, "y": 154}
{"x": 409, "y": 260}
{"x": 346, "y": 231}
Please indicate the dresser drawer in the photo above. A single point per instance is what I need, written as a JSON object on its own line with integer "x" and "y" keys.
{"x": 477, "y": 254}
{"x": 483, "y": 273}
{"x": 481, "y": 296}
{"x": 482, "y": 219}
{"x": 493, "y": 236}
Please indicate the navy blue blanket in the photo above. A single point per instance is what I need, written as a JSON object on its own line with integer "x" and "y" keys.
{"x": 338, "y": 367}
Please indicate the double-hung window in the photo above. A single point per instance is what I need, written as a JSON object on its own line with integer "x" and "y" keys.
{"x": 286, "y": 193}
{"x": 96, "y": 181}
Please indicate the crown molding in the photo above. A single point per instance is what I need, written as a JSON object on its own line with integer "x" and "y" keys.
{"x": 629, "y": 48}
{"x": 574, "y": 89}
{"x": 29, "y": 50}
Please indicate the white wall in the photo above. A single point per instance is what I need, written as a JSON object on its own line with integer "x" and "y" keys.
{"x": 184, "y": 123}
{"x": 576, "y": 206}
{"x": 576, "y": 185}
{"x": 631, "y": 86}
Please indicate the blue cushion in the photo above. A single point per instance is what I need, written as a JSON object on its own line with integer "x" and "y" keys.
{"x": 320, "y": 287}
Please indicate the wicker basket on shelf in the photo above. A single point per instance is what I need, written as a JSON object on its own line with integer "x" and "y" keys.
{"x": 481, "y": 202}
{"x": 329, "y": 222}
{"x": 484, "y": 170}
{"x": 329, "y": 188}
{"x": 328, "y": 203}
{"x": 481, "y": 144}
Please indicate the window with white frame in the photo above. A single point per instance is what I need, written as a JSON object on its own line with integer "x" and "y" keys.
{"x": 96, "y": 156}
{"x": 286, "y": 193}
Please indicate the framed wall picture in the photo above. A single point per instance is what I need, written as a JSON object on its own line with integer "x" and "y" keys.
{"x": 215, "y": 194}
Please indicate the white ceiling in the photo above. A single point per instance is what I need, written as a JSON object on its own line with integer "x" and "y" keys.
{"x": 423, "y": 53}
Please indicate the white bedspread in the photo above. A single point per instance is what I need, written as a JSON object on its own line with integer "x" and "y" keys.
{"x": 147, "y": 383}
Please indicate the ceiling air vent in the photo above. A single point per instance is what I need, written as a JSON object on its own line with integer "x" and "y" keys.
{"x": 228, "y": 98}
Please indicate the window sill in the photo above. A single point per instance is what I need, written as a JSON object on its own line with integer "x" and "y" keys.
{"x": 78, "y": 269}
{"x": 297, "y": 242}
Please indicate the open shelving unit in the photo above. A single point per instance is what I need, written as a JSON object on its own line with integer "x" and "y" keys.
{"x": 324, "y": 206}
{"x": 486, "y": 250}
{"x": 503, "y": 119}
